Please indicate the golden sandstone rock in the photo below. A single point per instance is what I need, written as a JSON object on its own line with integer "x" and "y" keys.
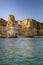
{"x": 11, "y": 26}
{"x": 26, "y": 27}
{"x": 11, "y": 20}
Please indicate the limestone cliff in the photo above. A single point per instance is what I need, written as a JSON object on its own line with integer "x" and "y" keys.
{"x": 30, "y": 28}
{"x": 3, "y": 24}
{"x": 11, "y": 20}
{"x": 26, "y": 27}
{"x": 41, "y": 29}
{"x": 11, "y": 25}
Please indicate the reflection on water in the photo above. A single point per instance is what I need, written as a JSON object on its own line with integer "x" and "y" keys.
{"x": 21, "y": 51}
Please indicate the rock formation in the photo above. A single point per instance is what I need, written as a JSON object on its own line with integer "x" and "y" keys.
{"x": 11, "y": 26}
{"x": 30, "y": 28}
{"x": 3, "y": 29}
{"x": 26, "y": 27}
{"x": 40, "y": 32}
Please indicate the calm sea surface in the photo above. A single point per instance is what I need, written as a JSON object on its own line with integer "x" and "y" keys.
{"x": 21, "y": 51}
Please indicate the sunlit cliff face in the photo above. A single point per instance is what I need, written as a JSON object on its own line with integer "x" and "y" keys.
{"x": 25, "y": 27}
{"x": 11, "y": 18}
{"x": 19, "y": 22}
{"x": 10, "y": 25}
{"x": 26, "y": 23}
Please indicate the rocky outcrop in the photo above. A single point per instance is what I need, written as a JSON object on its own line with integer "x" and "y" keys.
{"x": 11, "y": 25}
{"x": 3, "y": 24}
{"x": 40, "y": 29}
{"x": 30, "y": 28}
{"x": 26, "y": 27}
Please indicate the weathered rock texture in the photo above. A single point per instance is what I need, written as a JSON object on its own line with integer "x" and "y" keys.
{"x": 11, "y": 25}
{"x": 30, "y": 28}
{"x": 3, "y": 29}
{"x": 26, "y": 27}
{"x": 40, "y": 32}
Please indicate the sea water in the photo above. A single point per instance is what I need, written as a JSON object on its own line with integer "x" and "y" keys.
{"x": 21, "y": 51}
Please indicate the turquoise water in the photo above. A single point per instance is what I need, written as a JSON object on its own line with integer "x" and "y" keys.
{"x": 21, "y": 51}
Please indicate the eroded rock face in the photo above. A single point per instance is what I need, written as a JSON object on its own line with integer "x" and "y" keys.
{"x": 41, "y": 29}
{"x": 3, "y": 29}
{"x": 11, "y": 26}
{"x": 26, "y": 27}
{"x": 11, "y": 20}
{"x": 30, "y": 27}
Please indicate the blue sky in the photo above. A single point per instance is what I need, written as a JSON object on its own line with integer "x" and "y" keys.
{"x": 22, "y": 9}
